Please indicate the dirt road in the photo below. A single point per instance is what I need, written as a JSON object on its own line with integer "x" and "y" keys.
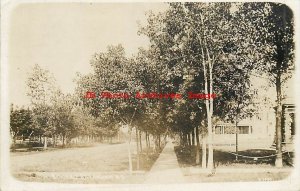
{"x": 102, "y": 157}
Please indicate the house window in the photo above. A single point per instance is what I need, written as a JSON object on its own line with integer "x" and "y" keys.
{"x": 230, "y": 129}
{"x": 244, "y": 129}
{"x": 218, "y": 130}
{"x": 292, "y": 127}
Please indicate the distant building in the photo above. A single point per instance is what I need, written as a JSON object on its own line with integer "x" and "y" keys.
{"x": 253, "y": 133}
{"x": 259, "y": 131}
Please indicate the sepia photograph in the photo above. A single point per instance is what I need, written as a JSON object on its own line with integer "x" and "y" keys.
{"x": 131, "y": 95}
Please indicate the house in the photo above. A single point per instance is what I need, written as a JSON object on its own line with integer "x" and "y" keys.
{"x": 258, "y": 131}
{"x": 252, "y": 133}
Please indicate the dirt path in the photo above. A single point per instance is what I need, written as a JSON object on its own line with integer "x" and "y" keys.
{"x": 166, "y": 169}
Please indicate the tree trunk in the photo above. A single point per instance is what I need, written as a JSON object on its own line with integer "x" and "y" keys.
{"x": 129, "y": 150}
{"x": 45, "y": 143}
{"x": 189, "y": 139}
{"x": 15, "y": 138}
{"x": 137, "y": 150}
{"x": 165, "y": 139}
{"x": 210, "y": 161}
{"x": 278, "y": 161}
{"x": 63, "y": 140}
{"x": 183, "y": 139}
{"x": 54, "y": 140}
{"x": 156, "y": 142}
{"x": 193, "y": 137}
{"x": 209, "y": 106}
{"x": 159, "y": 142}
{"x": 140, "y": 138}
{"x": 30, "y": 135}
{"x": 149, "y": 142}
{"x": 236, "y": 138}
{"x": 146, "y": 139}
{"x": 198, "y": 146}
{"x": 203, "y": 151}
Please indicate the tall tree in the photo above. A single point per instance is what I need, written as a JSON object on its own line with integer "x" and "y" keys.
{"x": 20, "y": 122}
{"x": 272, "y": 33}
{"x": 190, "y": 38}
{"x": 41, "y": 89}
{"x": 113, "y": 72}
{"x": 62, "y": 117}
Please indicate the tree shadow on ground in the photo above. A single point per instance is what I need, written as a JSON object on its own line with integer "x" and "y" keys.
{"x": 186, "y": 156}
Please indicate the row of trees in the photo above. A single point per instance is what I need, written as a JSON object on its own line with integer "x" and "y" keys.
{"x": 198, "y": 47}
{"x": 222, "y": 45}
{"x": 194, "y": 47}
{"x": 53, "y": 114}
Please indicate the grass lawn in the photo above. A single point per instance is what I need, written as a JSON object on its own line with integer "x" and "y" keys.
{"x": 230, "y": 170}
{"x": 187, "y": 157}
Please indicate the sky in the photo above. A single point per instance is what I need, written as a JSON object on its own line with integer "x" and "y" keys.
{"x": 63, "y": 37}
